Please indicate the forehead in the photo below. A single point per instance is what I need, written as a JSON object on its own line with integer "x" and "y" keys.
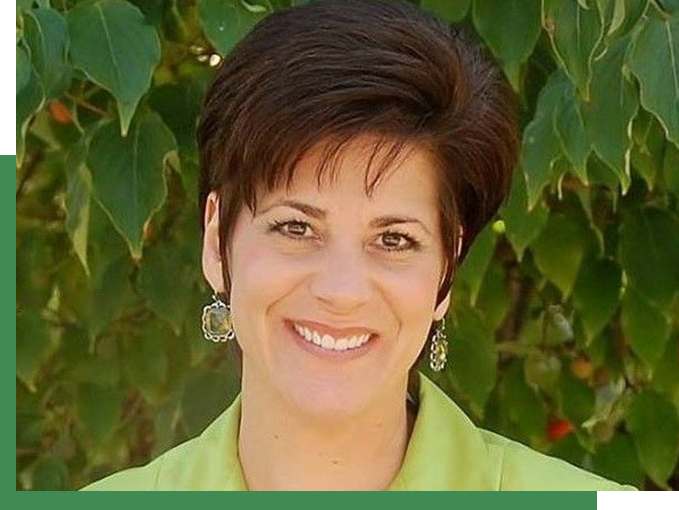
{"x": 364, "y": 169}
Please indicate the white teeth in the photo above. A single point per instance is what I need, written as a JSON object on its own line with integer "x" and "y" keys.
{"x": 328, "y": 342}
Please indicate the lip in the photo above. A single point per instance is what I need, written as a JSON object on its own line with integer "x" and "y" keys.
{"x": 333, "y": 332}
{"x": 326, "y": 354}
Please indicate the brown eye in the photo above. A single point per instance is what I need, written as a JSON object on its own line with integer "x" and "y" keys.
{"x": 294, "y": 229}
{"x": 393, "y": 241}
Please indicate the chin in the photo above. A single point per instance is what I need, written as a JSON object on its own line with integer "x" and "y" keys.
{"x": 327, "y": 398}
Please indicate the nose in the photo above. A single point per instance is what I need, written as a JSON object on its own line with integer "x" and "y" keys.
{"x": 341, "y": 281}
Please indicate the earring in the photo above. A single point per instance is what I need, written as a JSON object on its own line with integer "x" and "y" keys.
{"x": 216, "y": 321}
{"x": 438, "y": 350}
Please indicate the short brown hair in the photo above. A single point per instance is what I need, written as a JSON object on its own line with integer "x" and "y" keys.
{"x": 329, "y": 71}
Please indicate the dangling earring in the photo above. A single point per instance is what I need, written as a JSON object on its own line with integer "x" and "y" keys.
{"x": 438, "y": 350}
{"x": 216, "y": 321}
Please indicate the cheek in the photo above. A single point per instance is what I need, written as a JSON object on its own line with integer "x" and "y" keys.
{"x": 411, "y": 294}
{"x": 261, "y": 276}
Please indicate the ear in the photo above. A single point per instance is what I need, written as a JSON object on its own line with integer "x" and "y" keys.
{"x": 460, "y": 240}
{"x": 212, "y": 259}
{"x": 442, "y": 309}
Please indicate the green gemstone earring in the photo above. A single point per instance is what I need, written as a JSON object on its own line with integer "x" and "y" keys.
{"x": 438, "y": 350}
{"x": 216, "y": 321}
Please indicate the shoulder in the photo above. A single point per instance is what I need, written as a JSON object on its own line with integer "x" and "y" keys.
{"x": 524, "y": 469}
{"x": 206, "y": 462}
{"x": 148, "y": 476}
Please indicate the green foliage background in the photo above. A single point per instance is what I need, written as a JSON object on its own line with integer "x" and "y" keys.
{"x": 565, "y": 324}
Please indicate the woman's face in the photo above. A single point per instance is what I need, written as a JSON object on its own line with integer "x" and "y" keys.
{"x": 332, "y": 265}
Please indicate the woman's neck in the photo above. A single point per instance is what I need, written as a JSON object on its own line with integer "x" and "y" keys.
{"x": 280, "y": 449}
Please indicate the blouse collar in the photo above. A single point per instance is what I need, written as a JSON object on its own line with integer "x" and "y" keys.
{"x": 445, "y": 452}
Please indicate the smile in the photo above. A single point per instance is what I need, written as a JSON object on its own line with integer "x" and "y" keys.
{"x": 328, "y": 342}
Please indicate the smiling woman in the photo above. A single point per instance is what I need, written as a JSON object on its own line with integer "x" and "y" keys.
{"x": 351, "y": 151}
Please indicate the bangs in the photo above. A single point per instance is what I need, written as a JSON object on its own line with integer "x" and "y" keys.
{"x": 384, "y": 152}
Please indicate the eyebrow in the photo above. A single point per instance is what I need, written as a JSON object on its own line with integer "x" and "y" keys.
{"x": 315, "y": 212}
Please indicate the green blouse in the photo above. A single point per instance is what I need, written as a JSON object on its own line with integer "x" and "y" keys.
{"x": 446, "y": 452}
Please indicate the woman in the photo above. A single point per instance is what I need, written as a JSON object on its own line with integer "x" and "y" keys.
{"x": 350, "y": 151}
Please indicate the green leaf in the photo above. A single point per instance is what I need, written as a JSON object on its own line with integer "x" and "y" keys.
{"x": 33, "y": 346}
{"x": 658, "y": 76}
{"x": 30, "y": 425}
{"x": 649, "y": 251}
{"x": 166, "y": 426}
{"x": 28, "y": 100}
{"x": 77, "y": 202}
{"x": 448, "y": 10}
{"x": 101, "y": 298}
{"x": 493, "y": 299}
{"x": 669, "y": 6}
{"x": 474, "y": 358}
{"x": 99, "y": 409}
{"x": 559, "y": 250}
{"x": 179, "y": 104}
{"x": 617, "y": 460}
{"x": 145, "y": 359}
{"x": 226, "y": 22}
{"x": 106, "y": 245}
{"x": 511, "y": 29}
{"x": 646, "y": 327}
{"x": 541, "y": 146}
{"x": 569, "y": 449}
{"x": 23, "y": 64}
{"x": 620, "y": 16}
{"x": 86, "y": 365}
{"x": 46, "y": 34}
{"x": 666, "y": 374}
{"x": 526, "y": 409}
{"x": 50, "y": 474}
{"x": 600, "y": 174}
{"x": 111, "y": 292}
{"x": 204, "y": 397}
{"x": 541, "y": 371}
{"x": 473, "y": 269}
{"x": 576, "y": 398}
{"x": 654, "y": 426}
{"x": 522, "y": 225}
{"x": 575, "y": 34}
{"x": 570, "y": 129}
{"x": 671, "y": 169}
{"x": 168, "y": 297}
{"x": 36, "y": 258}
{"x": 190, "y": 173}
{"x": 111, "y": 43}
{"x": 608, "y": 114}
{"x": 648, "y": 149}
{"x": 127, "y": 174}
{"x": 596, "y": 294}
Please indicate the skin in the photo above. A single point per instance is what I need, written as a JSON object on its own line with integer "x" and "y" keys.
{"x": 309, "y": 422}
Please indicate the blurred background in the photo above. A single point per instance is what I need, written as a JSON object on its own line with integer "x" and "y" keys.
{"x": 564, "y": 329}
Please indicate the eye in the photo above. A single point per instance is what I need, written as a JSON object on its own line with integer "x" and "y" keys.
{"x": 391, "y": 241}
{"x": 395, "y": 241}
{"x": 294, "y": 229}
